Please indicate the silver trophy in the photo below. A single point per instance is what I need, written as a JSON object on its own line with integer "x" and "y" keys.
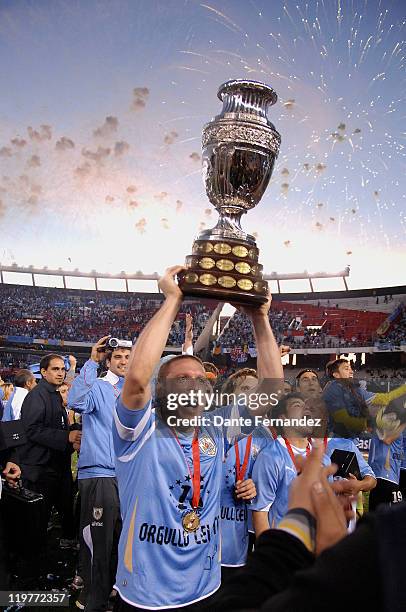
{"x": 239, "y": 150}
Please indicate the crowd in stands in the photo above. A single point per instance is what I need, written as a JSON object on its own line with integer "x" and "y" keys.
{"x": 84, "y": 316}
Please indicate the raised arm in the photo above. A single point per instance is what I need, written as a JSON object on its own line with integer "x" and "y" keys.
{"x": 150, "y": 344}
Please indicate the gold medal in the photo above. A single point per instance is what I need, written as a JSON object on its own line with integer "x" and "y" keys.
{"x": 191, "y": 521}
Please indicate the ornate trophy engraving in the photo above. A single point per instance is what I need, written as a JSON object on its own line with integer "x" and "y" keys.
{"x": 239, "y": 150}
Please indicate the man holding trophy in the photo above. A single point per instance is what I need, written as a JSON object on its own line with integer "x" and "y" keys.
{"x": 169, "y": 471}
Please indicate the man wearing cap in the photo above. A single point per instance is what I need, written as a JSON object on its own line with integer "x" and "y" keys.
{"x": 169, "y": 471}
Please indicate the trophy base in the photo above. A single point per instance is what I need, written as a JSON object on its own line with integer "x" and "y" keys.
{"x": 224, "y": 270}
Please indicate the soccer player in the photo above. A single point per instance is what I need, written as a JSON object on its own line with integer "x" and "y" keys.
{"x": 169, "y": 472}
{"x": 276, "y": 466}
{"x": 385, "y": 457}
{"x": 350, "y": 407}
{"x": 100, "y": 523}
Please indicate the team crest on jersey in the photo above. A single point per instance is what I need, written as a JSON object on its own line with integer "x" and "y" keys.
{"x": 254, "y": 451}
{"x": 97, "y": 513}
{"x": 207, "y": 446}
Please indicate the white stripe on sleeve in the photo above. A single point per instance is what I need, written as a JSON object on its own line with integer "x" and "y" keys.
{"x": 129, "y": 433}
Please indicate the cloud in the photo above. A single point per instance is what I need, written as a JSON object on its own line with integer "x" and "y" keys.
{"x": 36, "y": 189}
{"x": 18, "y": 142}
{"x": 6, "y": 152}
{"x": 64, "y": 143}
{"x": 44, "y": 133}
{"x": 98, "y": 155}
{"x": 140, "y": 225}
{"x": 33, "y": 200}
{"x": 170, "y": 137}
{"x": 34, "y": 161}
{"x": 161, "y": 196}
{"x": 108, "y": 128}
{"x": 140, "y": 96}
{"x": 83, "y": 171}
{"x": 120, "y": 148}
{"x": 195, "y": 156}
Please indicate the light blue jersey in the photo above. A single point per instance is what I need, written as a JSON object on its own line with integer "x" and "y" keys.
{"x": 160, "y": 565}
{"x": 273, "y": 474}
{"x": 236, "y": 514}
{"x": 94, "y": 398}
{"x": 348, "y": 445}
{"x": 385, "y": 460}
{"x": 403, "y": 461}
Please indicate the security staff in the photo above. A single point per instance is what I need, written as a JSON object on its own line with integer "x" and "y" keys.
{"x": 46, "y": 458}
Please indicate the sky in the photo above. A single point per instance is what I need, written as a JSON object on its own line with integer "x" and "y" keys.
{"x": 101, "y": 116}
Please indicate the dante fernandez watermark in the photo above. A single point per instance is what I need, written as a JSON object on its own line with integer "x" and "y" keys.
{"x": 254, "y": 421}
{"x": 209, "y": 401}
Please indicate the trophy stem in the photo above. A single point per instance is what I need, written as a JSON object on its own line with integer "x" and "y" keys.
{"x": 228, "y": 226}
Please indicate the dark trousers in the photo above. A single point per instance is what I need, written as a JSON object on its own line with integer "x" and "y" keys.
{"x": 56, "y": 487}
{"x": 100, "y": 527}
{"x": 402, "y": 483}
{"x": 385, "y": 492}
{"x": 4, "y": 575}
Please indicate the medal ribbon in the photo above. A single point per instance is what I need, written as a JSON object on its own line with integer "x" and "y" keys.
{"x": 241, "y": 469}
{"x": 292, "y": 455}
{"x": 196, "y": 467}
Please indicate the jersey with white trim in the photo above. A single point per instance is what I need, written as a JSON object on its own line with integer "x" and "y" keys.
{"x": 236, "y": 514}
{"x": 160, "y": 565}
{"x": 403, "y": 461}
{"x": 385, "y": 459}
{"x": 348, "y": 445}
{"x": 273, "y": 474}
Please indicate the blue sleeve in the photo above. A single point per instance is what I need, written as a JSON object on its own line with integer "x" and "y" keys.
{"x": 80, "y": 397}
{"x": 367, "y": 396}
{"x": 131, "y": 429}
{"x": 333, "y": 397}
{"x": 8, "y": 411}
{"x": 266, "y": 475}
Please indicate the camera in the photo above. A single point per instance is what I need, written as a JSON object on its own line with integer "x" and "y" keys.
{"x": 116, "y": 343}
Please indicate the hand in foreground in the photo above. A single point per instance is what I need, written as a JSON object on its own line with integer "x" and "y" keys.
{"x": 98, "y": 349}
{"x": 12, "y": 473}
{"x": 189, "y": 328}
{"x": 312, "y": 491}
{"x": 168, "y": 285}
{"x": 245, "y": 489}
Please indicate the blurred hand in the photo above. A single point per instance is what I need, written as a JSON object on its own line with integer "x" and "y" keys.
{"x": 168, "y": 285}
{"x": 12, "y": 473}
{"x": 311, "y": 471}
{"x": 75, "y": 438}
{"x": 72, "y": 361}
{"x": 284, "y": 350}
{"x": 98, "y": 349}
{"x": 349, "y": 486}
{"x": 330, "y": 515}
{"x": 245, "y": 489}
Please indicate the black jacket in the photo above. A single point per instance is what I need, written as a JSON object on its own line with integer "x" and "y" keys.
{"x": 46, "y": 425}
{"x": 364, "y": 571}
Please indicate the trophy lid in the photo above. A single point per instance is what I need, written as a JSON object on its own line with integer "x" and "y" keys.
{"x": 235, "y": 86}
